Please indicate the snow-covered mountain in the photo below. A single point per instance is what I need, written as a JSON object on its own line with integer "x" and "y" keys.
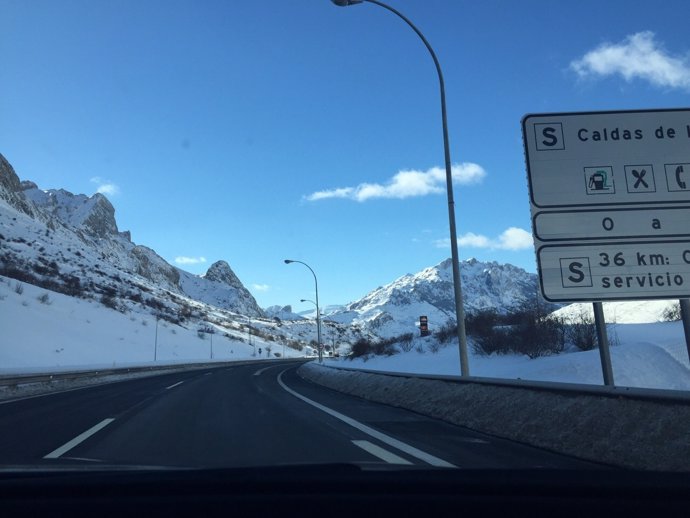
{"x": 326, "y": 311}
{"x": 282, "y": 313}
{"x": 71, "y": 243}
{"x": 396, "y": 307}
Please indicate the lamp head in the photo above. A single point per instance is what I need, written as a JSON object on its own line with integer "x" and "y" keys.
{"x": 288, "y": 261}
{"x": 345, "y": 3}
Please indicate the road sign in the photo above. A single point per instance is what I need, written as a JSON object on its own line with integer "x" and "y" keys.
{"x": 608, "y": 158}
{"x": 610, "y": 186}
{"x": 424, "y": 325}
{"x": 615, "y": 271}
{"x": 615, "y": 223}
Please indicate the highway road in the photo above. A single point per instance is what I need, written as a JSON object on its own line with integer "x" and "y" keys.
{"x": 241, "y": 416}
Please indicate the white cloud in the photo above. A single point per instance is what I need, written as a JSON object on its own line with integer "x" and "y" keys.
{"x": 406, "y": 184}
{"x": 189, "y": 260}
{"x": 261, "y": 287}
{"x": 512, "y": 238}
{"x": 105, "y": 186}
{"x": 472, "y": 240}
{"x": 515, "y": 239}
{"x": 638, "y": 56}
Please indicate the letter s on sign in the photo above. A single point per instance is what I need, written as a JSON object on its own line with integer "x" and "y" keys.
{"x": 550, "y": 138}
{"x": 575, "y": 268}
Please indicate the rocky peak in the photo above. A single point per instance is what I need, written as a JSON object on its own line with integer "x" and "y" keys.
{"x": 101, "y": 220}
{"x": 220, "y": 271}
{"x": 11, "y": 188}
{"x": 25, "y": 185}
{"x": 154, "y": 268}
{"x": 8, "y": 178}
{"x": 95, "y": 215}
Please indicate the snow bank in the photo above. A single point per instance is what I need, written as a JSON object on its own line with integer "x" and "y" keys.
{"x": 646, "y": 355}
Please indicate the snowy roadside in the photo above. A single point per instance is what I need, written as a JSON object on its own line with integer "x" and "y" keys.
{"x": 623, "y": 432}
{"x": 649, "y": 355}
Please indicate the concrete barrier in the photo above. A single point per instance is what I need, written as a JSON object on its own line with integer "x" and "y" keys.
{"x": 628, "y": 432}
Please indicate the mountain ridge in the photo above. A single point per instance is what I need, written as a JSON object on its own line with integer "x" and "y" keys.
{"x": 395, "y": 308}
{"x": 78, "y": 236}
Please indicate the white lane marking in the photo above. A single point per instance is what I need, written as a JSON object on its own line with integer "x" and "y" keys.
{"x": 377, "y": 451}
{"x": 79, "y": 439}
{"x": 208, "y": 374}
{"x": 260, "y": 371}
{"x": 404, "y": 447}
{"x": 175, "y": 385}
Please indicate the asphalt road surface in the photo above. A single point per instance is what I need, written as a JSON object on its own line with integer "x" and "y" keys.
{"x": 246, "y": 415}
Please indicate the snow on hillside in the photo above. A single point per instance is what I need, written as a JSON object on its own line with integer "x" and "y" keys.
{"x": 63, "y": 331}
{"x": 282, "y": 313}
{"x": 395, "y": 308}
{"x": 647, "y": 355}
{"x": 59, "y": 239}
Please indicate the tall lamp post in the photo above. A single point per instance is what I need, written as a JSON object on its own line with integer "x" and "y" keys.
{"x": 317, "y": 307}
{"x": 457, "y": 289}
{"x": 155, "y": 341}
{"x": 318, "y": 313}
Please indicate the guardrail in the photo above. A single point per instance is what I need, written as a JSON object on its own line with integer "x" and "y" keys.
{"x": 85, "y": 374}
{"x": 647, "y": 394}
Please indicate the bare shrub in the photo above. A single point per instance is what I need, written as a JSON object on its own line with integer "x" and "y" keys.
{"x": 434, "y": 346}
{"x": 361, "y": 347}
{"x": 582, "y": 332}
{"x": 446, "y": 333}
{"x": 526, "y": 331}
{"x": 109, "y": 301}
{"x": 44, "y": 298}
{"x": 671, "y": 313}
{"x": 406, "y": 342}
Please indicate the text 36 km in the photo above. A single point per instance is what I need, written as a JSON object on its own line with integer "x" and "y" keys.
{"x": 615, "y": 271}
{"x": 618, "y": 259}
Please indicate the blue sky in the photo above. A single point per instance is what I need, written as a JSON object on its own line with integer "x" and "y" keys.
{"x": 262, "y": 130}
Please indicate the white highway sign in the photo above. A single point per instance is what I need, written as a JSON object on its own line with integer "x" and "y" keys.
{"x": 608, "y": 158}
{"x": 610, "y": 185}
{"x": 612, "y": 223}
{"x": 615, "y": 271}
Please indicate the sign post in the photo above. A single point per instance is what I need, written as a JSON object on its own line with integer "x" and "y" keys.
{"x": 424, "y": 325}
{"x": 610, "y": 204}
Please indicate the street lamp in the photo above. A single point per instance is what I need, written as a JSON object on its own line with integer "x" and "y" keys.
{"x": 249, "y": 336}
{"x": 317, "y": 307}
{"x": 457, "y": 289}
{"x": 155, "y": 341}
{"x": 318, "y": 317}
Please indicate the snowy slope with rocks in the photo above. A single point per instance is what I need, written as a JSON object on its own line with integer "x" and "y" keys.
{"x": 63, "y": 238}
{"x": 67, "y": 251}
{"x": 282, "y": 313}
{"x": 395, "y": 308}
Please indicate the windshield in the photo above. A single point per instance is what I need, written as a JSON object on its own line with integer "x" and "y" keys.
{"x": 221, "y": 222}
